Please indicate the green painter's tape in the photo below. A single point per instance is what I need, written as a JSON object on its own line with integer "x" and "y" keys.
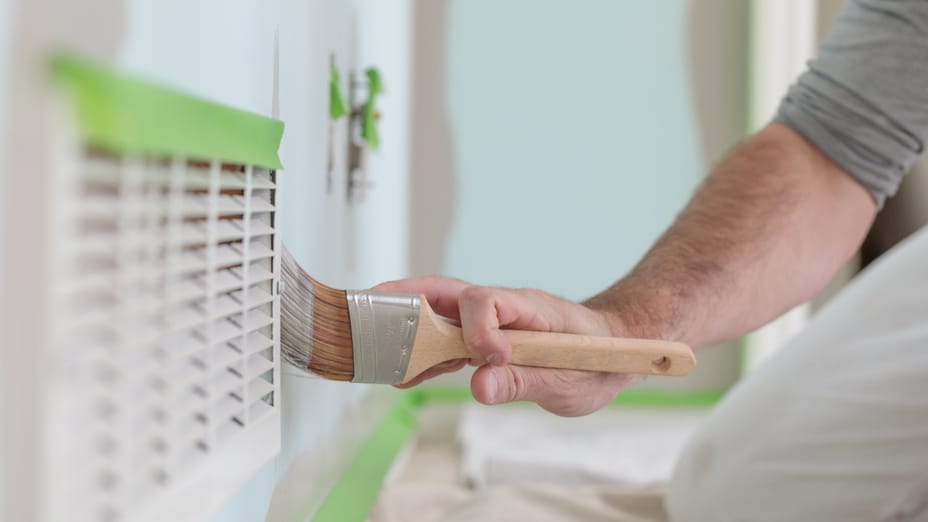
{"x": 121, "y": 114}
{"x": 337, "y": 105}
{"x": 633, "y": 397}
{"x": 669, "y": 399}
{"x": 357, "y": 490}
{"x": 369, "y": 132}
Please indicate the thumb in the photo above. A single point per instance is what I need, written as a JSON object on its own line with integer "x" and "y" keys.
{"x": 499, "y": 384}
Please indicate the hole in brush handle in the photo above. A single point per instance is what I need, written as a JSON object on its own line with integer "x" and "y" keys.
{"x": 662, "y": 364}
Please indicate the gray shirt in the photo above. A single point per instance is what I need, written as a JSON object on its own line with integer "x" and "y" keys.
{"x": 864, "y": 100}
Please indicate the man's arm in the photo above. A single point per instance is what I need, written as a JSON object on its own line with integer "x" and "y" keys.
{"x": 776, "y": 219}
{"x": 767, "y": 230}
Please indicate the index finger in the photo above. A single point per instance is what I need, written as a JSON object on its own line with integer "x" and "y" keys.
{"x": 441, "y": 292}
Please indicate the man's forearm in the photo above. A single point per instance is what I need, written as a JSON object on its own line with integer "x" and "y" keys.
{"x": 767, "y": 230}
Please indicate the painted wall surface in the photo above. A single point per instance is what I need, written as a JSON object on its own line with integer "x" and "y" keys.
{"x": 227, "y": 54}
{"x": 6, "y": 15}
{"x": 575, "y": 135}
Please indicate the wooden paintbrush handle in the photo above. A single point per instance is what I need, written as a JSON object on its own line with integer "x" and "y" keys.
{"x": 605, "y": 354}
{"x": 438, "y": 341}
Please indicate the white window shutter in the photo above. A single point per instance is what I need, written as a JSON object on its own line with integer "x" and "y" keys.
{"x": 163, "y": 353}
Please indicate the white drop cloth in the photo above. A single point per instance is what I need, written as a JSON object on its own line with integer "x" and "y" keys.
{"x": 619, "y": 446}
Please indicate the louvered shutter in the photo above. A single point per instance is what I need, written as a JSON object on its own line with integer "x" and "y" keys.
{"x": 163, "y": 371}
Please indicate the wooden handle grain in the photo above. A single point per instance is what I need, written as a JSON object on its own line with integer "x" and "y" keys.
{"x": 604, "y": 354}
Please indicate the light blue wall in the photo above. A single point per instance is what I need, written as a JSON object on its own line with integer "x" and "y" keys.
{"x": 575, "y": 138}
{"x": 218, "y": 49}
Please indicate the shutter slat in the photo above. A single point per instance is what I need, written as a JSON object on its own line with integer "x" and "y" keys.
{"x": 228, "y": 430}
{"x": 256, "y": 273}
{"x": 186, "y": 317}
{"x": 259, "y": 387}
{"x": 198, "y": 205}
{"x": 197, "y": 233}
{"x": 104, "y": 172}
{"x": 223, "y": 383}
{"x": 223, "y": 354}
{"x": 256, "y": 365}
{"x": 227, "y": 280}
{"x": 254, "y": 343}
{"x": 184, "y": 290}
{"x": 257, "y": 319}
{"x": 257, "y": 296}
{"x": 260, "y": 228}
{"x": 223, "y": 306}
{"x": 228, "y": 406}
{"x": 259, "y": 410}
{"x": 223, "y": 331}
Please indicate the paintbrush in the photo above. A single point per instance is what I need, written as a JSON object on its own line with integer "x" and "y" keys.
{"x": 390, "y": 338}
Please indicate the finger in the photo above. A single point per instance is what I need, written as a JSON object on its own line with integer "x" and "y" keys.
{"x": 441, "y": 292}
{"x": 567, "y": 393}
{"x": 480, "y": 324}
{"x": 439, "y": 369}
{"x": 530, "y": 309}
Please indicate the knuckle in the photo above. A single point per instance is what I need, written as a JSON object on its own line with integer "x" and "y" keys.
{"x": 482, "y": 341}
{"x": 388, "y": 285}
{"x": 518, "y": 385}
{"x": 433, "y": 278}
{"x": 475, "y": 294}
{"x": 534, "y": 293}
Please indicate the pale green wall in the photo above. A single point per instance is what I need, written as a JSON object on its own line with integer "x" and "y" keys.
{"x": 6, "y": 14}
{"x": 5, "y": 23}
{"x": 575, "y": 138}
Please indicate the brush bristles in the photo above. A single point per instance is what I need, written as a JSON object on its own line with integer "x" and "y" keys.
{"x": 315, "y": 328}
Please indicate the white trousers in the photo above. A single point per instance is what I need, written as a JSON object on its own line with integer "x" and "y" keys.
{"x": 835, "y": 426}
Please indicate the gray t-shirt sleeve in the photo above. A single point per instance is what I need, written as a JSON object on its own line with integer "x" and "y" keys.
{"x": 864, "y": 100}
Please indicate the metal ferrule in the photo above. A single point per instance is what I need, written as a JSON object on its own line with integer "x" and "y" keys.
{"x": 383, "y": 329}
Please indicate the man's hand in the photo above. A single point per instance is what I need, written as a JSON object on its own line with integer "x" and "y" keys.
{"x": 484, "y": 311}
